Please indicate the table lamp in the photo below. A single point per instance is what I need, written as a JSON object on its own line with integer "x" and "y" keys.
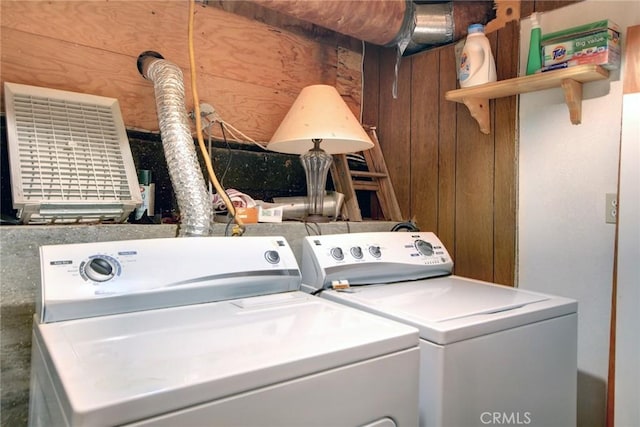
{"x": 318, "y": 125}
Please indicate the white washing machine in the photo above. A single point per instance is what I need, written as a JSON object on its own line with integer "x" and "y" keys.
{"x": 208, "y": 331}
{"x": 490, "y": 354}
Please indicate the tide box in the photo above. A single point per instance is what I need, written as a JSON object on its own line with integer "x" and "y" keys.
{"x": 595, "y": 43}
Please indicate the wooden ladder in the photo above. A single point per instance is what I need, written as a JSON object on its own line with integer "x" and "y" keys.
{"x": 375, "y": 179}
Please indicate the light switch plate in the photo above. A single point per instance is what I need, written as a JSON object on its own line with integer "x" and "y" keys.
{"x": 611, "y": 208}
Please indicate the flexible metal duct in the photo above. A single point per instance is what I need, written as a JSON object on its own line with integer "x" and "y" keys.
{"x": 194, "y": 202}
{"x": 377, "y": 22}
{"x": 411, "y": 26}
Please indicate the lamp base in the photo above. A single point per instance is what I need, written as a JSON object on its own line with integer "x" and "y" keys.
{"x": 316, "y": 218}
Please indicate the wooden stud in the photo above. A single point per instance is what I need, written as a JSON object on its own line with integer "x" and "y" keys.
{"x": 385, "y": 191}
{"x": 377, "y": 180}
{"x": 506, "y": 11}
{"x": 343, "y": 184}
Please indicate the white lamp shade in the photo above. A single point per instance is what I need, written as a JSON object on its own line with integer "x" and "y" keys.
{"x": 319, "y": 112}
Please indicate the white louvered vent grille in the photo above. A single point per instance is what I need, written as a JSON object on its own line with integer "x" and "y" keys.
{"x": 69, "y": 156}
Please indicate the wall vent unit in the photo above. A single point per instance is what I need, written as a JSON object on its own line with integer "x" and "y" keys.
{"x": 69, "y": 157}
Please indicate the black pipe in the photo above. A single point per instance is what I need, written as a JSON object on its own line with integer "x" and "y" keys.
{"x": 143, "y": 60}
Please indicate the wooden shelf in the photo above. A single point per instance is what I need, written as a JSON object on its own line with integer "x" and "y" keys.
{"x": 476, "y": 98}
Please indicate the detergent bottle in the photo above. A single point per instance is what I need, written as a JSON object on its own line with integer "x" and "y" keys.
{"x": 477, "y": 65}
{"x": 534, "y": 61}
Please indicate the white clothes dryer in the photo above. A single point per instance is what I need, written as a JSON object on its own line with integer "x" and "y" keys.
{"x": 208, "y": 331}
{"x": 490, "y": 354}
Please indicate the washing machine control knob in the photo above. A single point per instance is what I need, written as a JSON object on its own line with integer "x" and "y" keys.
{"x": 100, "y": 269}
{"x": 356, "y": 251}
{"x": 375, "y": 251}
{"x": 425, "y": 248}
{"x": 272, "y": 257}
{"x": 337, "y": 254}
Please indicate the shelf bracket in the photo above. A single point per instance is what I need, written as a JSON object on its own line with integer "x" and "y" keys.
{"x": 573, "y": 97}
{"x": 479, "y": 109}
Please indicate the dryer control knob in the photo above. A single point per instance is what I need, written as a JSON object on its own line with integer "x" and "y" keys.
{"x": 356, "y": 251}
{"x": 425, "y": 248}
{"x": 375, "y": 251}
{"x": 272, "y": 257}
{"x": 99, "y": 269}
{"x": 337, "y": 253}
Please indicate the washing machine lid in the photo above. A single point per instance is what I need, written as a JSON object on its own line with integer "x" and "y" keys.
{"x": 450, "y": 309}
{"x": 131, "y": 366}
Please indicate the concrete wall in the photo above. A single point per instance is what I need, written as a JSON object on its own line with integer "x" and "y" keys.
{"x": 20, "y": 278}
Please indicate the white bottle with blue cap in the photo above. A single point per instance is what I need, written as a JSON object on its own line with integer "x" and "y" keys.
{"x": 477, "y": 65}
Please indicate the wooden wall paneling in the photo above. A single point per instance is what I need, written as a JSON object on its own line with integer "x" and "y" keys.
{"x": 256, "y": 12}
{"x": 27, "y": 59}
{"x": 474, "y": 195}
{"x": 394, "y": 123}
{"x": 547, "y": 5}
{"x": 505, "y": 160}
{"x": 526, "y": 8}
{"x": 227, "y": 45}
{"x": 349, "y": 78}
{"x": 249, "y": 71}
{"x": 370, "y": 113}
{"x": 41, "y": 61}
{"x": 447, "y": 149}
{"x": 474, "y": 199}
{"x": 424, "y": 139}
{"x": 529, "y": 6}
{"x": 371, "y": 89}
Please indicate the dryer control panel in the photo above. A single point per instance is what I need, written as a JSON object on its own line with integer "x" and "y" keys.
{"x": 93, "y": 279}
{"x": 370, "y": 258}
